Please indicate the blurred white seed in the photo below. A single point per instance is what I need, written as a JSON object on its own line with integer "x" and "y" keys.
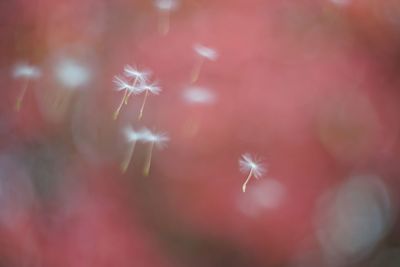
{"x": 204, "y": 53}
{"x": 153, "y": 139}
{"x": 165, "y": 7}
{"x": 252, "y": 166}
{"x": 132, "y": 137}
{"x": 199, "y": 95}
{"x": 26, "y": 72}
{"x": 341, "y": 3}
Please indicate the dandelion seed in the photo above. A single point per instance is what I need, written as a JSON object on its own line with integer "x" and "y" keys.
{"x": 154, "y": 139}
{"x": 132, "y": 137}
{"x": 125, "y": 86}
{"x": 252, "y": 166}
{"x": 165, "y": 7}
{"x": 147, "y": 88}
{"x": 204, "y": 53}
{"x": 28, "y": 73}
{"x": 139, "y": 77}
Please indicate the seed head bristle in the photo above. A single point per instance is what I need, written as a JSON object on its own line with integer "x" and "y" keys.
{"x": 248, "y": 163}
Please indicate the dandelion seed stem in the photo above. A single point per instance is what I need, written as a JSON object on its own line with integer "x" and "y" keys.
{"x": 131, "y": 92}
{"x": 163, "y": 25}
{"x": 144, "y": 102}
{"x": 247, "y": 180}
{"x": 196, "y": 70}
{"x": 116, "y": 113}
{"x": 21, "y": 95}
{"x": 127, "y": 160}
{"x": 147, "y": 164}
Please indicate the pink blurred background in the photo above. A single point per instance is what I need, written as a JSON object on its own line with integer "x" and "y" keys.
{"x": 310, "y": 86}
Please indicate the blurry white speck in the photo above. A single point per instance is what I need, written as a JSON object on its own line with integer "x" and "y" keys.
{"x": 268, "y": 194}
{"x": 340, "y": 2}
{"x": 206, "y": 52}
{"x": 199, "y": 95}
{"x": 72, "y": 74}
{"x": 354, "y": 218}
{"x": 27, "y": 71}
{"x": 166, "y": 5}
